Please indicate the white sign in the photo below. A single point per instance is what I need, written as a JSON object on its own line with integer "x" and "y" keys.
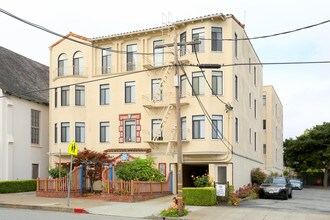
{"x": 221, "y": 189}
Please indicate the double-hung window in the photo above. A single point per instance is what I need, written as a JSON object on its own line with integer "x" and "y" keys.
{"x": 65, "y": 96}
{"x": 80, "y": 95}
{"x": 104, "y": 132}
{"x": 106, "y": 61}
{"x": 62, "y": 65}
{"x": 78, "y": 63}
{"x": 198, "y": 83}
{"x": 156, "y": 90}
{"x": 217, "y": 83}
{"x": 131, "y": 57}
{"x": 183, "y": 86}
{"x": 198, "y": 34}
{"x": 236, "y": 45}
{"x": 80, "y": 132}
{"x": 217, "y": 126}
{"x": 157, "y": 133}
{"x": 104, "y": 94}
{"x": 35, "y": 126}
{"x": 130, "y": 92}
{"x": 55, "y": 97}
{"x": 158, "y": 53}
{"x": 184, "y": 128}
{"x": 65, "y": 132}
{"x": 130, "y": 131}
{"x": 183, "y": 40}
{"x": 198, "y": 127}
{"x": 236, "y": 130}
{"x": 216, "y": 39}
{"x": 236, "y": 87}
{"x": 55, "y": 133}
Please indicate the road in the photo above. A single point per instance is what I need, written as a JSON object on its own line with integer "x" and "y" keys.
{"x": 25, "y": 214}
{"x": 306, "y": 200}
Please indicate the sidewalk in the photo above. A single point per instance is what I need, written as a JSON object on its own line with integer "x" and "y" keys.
{"x": 147, "y": 209}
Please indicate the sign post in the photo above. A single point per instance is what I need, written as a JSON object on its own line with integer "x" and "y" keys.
{"x": 73, "y": 151}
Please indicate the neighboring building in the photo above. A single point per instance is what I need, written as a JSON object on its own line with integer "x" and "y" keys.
{"x": 119, "y": 96}
{"x": 273, "y": 130}
{"x": 23, "y": 117}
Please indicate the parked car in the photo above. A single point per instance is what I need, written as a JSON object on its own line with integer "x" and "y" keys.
{"x": 276, "y": 187}
{"x": 296, "y": 184}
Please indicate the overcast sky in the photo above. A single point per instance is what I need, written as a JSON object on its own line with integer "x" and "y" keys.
{"x": 304, "y": 90}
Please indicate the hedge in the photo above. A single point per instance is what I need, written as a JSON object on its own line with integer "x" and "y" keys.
{"x": 201, "y": 196}
{"x": 14, "y": 186}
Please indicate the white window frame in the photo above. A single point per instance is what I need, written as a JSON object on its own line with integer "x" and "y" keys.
{"x": 198, "y": 127}
{"x": 104, "y": 132}
{"x": 80, "y": 132}
{"x": 217, "y": 127}
{"x": 104, "y": 94}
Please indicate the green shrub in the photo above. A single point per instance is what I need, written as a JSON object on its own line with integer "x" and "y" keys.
{"x": 173, "y": 212}
{"x": 14, "y": 186}
{"x": 202, "y": 181}
{"x": 54, "y": 172}
{"x": 205, "y": 196}
{"x": 257, "y": 176}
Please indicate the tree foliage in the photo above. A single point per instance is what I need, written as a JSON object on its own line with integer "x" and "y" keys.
{"x": 310, "y": 150}
{"x": 139, "y": 169}
{"x": 94, "y": 161}
{"x": 257, "y": 176}
{"x": 55, "y": 172}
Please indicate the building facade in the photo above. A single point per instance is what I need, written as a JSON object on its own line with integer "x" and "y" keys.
{"x": 23, "y": 117}
{"x": 117, "y": 94}
{"x": 273, "y": 130}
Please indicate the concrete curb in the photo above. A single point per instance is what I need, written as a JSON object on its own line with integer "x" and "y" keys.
{"x": 43, "y": 208}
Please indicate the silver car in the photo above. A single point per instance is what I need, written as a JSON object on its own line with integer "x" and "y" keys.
{"x": 296, "y": 184}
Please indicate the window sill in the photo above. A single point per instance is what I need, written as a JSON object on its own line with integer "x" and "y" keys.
{"x": 36, "y": 146}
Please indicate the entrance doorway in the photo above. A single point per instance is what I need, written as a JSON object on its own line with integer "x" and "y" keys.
{"x": 193, "y": 169}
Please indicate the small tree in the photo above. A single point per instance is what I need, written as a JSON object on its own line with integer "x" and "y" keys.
{"x": 94, "y": 161}
{"x": 257, "y": 176}
{"x": 139, "y": 169}
{"x": 54, "y": 172}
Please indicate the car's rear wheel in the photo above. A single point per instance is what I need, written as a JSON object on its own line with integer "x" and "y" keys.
{"x": 290, "y": 195}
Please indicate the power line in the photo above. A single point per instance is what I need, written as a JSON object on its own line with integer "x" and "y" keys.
{"x": 82, "y": 83}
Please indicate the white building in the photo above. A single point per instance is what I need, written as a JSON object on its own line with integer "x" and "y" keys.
{"x": 23, "y": 117}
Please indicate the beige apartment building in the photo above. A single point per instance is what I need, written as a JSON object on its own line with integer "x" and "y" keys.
{"x": 273, "y": 130}
{"x": 117, "y": 94}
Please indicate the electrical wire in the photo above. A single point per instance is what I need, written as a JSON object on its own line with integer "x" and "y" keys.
{"x": 209, "y": 119}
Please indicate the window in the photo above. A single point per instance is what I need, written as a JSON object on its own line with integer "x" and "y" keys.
{"x": 236, "y": 130}
{"x": 80, "y": 95}
{"x": 198, "y": 124}
{"x": 35, "y": 126}
{"x": 78, "y": 63}
{"x": 55, "y": 97}
{"x": 183, "y": 40}
{"x": 80, "y": 132}
{"x": 264, "y": 124}
{"x": 255, "y": 108}
{"x": 222, "y": 174}
{"x": 156, "y": 90}
{"x": 250, "y": 136}
{"x": 249, "y": 64}
{"x": 104, "y": 94}
{"x": 157, "y": 133}
{"x": 130, "y": 92}
{"x": 216, "y": 39}
{"x": 158, "y": 53}
{"x": 106, "y": 61}
{"x": 198, "y": 83}
{"x": 236, "y": 87}
{"x": 264, "y": 100}
{"x": 62, "y": 65}
{"x": 184, "y": 128}
{"x": 65, "y": 96}
{"x": 35, "y": 171}
{"x": 250, "y": 100}
{"x": 255, "y": 76}
{"x": 104, "y": 132}
{"x": 65, "y": 132}
{"x": 198, "y": 34}
{"x": 217, "y": 126}
{"x": 265, "y": 148}
{"x": 183, "y": 86}
{"x": 131, "y": 57}
{"x": 217, "y": 83}
{"x": 235, "y": 46}
{"x": 255, "y": 141}
{"x": 55, "y": 133}
{"x": 130, "y": 131}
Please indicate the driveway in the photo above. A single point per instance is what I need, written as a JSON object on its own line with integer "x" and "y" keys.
{"x": 306, "y": 200}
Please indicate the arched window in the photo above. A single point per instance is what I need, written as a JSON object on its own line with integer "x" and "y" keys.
{"x": 78, "y": 63}
{"x": 62, "y": 64}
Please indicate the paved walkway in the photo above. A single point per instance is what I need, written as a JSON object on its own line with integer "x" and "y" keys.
{"x": 148, "y": 209}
